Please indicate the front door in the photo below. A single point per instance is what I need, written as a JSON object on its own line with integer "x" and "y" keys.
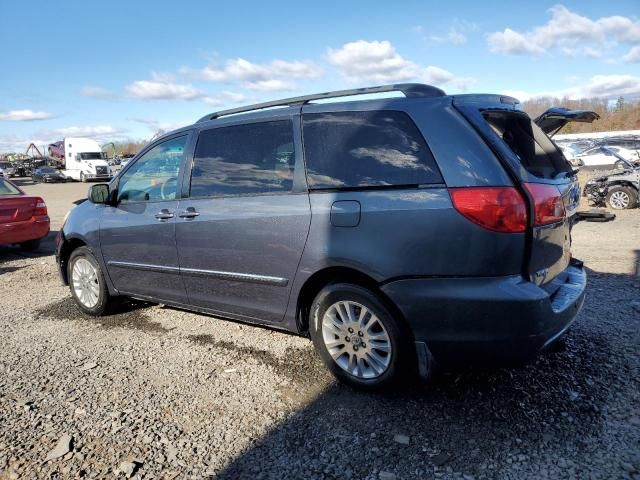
{"x": 137, "y": 236}
{"x": 241, "y": 232}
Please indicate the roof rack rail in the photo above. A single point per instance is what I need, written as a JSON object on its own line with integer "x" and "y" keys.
{"x": 410, "y": 90}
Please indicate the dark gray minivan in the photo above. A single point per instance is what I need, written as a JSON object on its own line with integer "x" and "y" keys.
{"x": 397, "y": 232}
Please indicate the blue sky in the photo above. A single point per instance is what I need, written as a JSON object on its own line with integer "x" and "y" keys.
{"x": 124, "y": 69}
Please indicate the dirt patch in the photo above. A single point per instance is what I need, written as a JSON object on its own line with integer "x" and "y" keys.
{"x": 298, "y": 364}
{"x": 129, "y": 314}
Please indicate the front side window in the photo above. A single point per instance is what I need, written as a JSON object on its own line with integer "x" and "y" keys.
{"x": 154, "y": 176}
{"x": 253, "y": 158}
{"x": 366, "y": 149}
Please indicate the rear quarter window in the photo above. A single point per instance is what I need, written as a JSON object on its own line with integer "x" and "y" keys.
{"x": 366, "y": 149}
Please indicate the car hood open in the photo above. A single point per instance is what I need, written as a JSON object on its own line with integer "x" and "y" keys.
{"x": 553, "y": 119}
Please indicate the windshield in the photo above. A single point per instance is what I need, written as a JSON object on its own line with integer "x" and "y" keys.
{"x": 7, "y": 189}
{"x": 91, "y": 156}
{"x": 47, "y": 170}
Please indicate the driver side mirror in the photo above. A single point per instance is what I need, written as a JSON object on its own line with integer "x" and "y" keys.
{"x": 620, "y": 165}
{"x": 99, "y": 193}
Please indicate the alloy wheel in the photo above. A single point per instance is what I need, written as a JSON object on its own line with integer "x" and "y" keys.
{"x": 84, "y": 277}
{"x": 356, "y": 339}
{"x": 619, "y": 200}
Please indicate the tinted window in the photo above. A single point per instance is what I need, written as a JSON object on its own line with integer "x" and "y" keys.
{"x": 252, "y": 158}
{"x": 362, "y": 149}
{"x": 154, "y": 176}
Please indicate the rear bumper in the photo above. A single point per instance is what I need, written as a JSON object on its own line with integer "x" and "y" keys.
{"x": 503, "y": 319}
{"x": 18, "y": 232}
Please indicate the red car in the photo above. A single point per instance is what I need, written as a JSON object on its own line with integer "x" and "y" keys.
{"x": 23, "y": 218}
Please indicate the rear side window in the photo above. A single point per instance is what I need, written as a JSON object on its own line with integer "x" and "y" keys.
{"x": 252, "y": 158}
{"x": 366, "y": 149}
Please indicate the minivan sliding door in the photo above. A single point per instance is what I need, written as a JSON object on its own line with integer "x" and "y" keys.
{"x": 241, "y": 232}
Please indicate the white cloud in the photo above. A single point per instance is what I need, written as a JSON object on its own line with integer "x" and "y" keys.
{"x": 633, "y": 56}
{"x": 223, "y": 98}
{"x": 155, "y": 90}
{"x": 155, "y": 125}
{"x": 95, "y": 131}
{"x": 24, "y": 115}
{"x": 96, "y": 92}
{"x": 603, "y": 86}
{"x": 276, "y": 75}
{"x": 375, "y": 61}
{"x": 456, "y": 35}
{"x": 511, "y": 42}
{"x": 379, "y": 62}
{"x": 273, "y": 85}
{"x": 453, "y": 36}
{"x": 568, "y": 31}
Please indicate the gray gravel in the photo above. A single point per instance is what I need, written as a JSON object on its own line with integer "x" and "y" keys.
{"x": 154, "y": 392}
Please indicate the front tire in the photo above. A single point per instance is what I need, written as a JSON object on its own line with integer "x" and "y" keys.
{"x": 87, "y": 283}
{"x": 359, "y": 338}
{"x": 621, "y": 197}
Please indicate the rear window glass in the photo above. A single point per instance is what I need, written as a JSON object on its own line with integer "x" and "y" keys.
{"x": 536, "y": 152}
{"x": 366, "y": 149}
{"x": 7, "y": 189}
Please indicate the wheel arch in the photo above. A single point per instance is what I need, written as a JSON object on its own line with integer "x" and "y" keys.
{"x": 66, "y": 250}
{"x": 622, "y": 183}
{"x": 339, "y": 274}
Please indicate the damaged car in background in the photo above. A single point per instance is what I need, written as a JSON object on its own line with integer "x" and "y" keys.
{"x": 618, "y": 191}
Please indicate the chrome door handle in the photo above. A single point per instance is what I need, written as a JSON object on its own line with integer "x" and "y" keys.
{"x": 188, "y": 213}
{"x": 164, "y": 214}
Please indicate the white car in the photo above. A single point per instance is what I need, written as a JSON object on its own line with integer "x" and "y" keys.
{"x": 626, "y": 153}
{"x": 7, "y": 169}
{"x": 604, "y": 155}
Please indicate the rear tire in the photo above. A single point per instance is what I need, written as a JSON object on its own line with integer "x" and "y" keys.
{"x": 621, "y": 198}
{"x": 31, "y": 245}
{"x": 87, "y": 283}
{"x": 358, "y": 338}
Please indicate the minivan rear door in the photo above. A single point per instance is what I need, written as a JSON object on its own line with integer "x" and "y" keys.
{"x": 530, "y": 157}
{"x": 553, "y": 119}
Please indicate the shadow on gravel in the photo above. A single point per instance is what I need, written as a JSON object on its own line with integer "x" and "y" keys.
{"x": 476, "y": 422}
{"x": 10, "y": 269}
{"x": 128, "y": 314}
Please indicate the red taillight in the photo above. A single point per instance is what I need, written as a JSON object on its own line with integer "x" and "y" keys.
{"x": 501, "y": 209}
{"x": 40, "y": 208}
{"x": 547, "y": 200}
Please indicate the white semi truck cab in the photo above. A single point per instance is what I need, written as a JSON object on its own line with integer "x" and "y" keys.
{"x": 84, "y": 160}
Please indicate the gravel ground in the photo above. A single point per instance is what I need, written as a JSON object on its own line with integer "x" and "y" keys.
{"x": 154, "y": 392}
